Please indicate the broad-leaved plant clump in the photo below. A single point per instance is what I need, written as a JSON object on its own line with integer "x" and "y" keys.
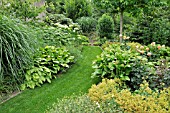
{"x": 142, "y": 100}
{"x": 47, "y": 65}
{"x": 133, "y": 63}
{"x": 114, "y": 62}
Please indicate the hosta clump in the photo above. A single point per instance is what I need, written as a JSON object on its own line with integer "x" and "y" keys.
{"x": 47, "y": 65}
{"x": 114, "y": 62}
{"x": 61, "y": 36}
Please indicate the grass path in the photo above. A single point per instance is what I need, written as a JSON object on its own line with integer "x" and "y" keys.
{"x": 75, "y": 80}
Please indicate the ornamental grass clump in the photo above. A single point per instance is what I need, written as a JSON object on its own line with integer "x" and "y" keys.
{"x": 17, "y": 44}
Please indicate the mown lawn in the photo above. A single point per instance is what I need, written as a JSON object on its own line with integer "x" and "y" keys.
{"x": 75, "y": 81}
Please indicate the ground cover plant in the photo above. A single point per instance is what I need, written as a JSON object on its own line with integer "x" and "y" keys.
{"x": 82, "y": 103}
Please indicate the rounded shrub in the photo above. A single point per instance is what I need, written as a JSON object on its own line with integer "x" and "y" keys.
{"x": 105, "y": 26}
{"x": 87, "y": 24}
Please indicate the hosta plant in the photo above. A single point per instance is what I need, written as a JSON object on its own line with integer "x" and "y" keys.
{"x": 47, "y": 64}
{"x": 114, "y": 62}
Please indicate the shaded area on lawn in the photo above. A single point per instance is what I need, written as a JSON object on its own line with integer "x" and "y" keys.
{"x": 75, "y": 80}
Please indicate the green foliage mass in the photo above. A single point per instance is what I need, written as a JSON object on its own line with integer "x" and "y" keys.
{"x": 152, "y": 25}
{"x": 79, "y": 104}
{"x": 47, "y": 65}
{"x": 87, "y": 24}
{"x": 23, "y": 9}
{"x": 17, "y": 44}
{"x": 78, "y": 8}
{"x": 105, "y": 26}
{"x": 134, "y": 64}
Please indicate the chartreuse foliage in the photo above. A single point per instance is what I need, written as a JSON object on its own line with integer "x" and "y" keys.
{"x": 47, "y": 65}
{"x": 143, "y": 100}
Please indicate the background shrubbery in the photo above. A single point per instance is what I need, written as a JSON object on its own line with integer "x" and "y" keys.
{"x": 78, "y": 8}
{"x": 87, "y": 24}
{"x": 105, "y": 26}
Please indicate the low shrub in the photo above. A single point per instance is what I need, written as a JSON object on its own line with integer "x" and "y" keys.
{"x": 142, "y": 100}
{"x": 105, "y": 26}
{"x": 47, "y": 65}
{"x": 50, "y": 19}
{"x": 154, "y": 51}
{"x": 82, "y": 104}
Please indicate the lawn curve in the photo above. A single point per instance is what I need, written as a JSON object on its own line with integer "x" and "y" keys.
{"x": 77, "y": 79}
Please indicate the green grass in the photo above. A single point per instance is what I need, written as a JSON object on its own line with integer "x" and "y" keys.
{"x": 75, "y": 80}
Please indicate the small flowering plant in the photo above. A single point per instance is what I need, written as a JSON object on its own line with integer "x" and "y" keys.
{"x": 154, "y": 51}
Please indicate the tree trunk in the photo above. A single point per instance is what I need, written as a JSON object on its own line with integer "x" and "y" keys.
{"x": 121, "y": 26}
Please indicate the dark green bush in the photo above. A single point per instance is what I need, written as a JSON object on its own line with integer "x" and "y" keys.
{"x": 78, "y": 8}
{"x": 152, "y": 26}
{"x": 47, "y": 64}
{"x": 87, "y": 24}
{"x": 17, "y": 45}
{"x": 51, "y": 19}
{"x": 105, "y": 26}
